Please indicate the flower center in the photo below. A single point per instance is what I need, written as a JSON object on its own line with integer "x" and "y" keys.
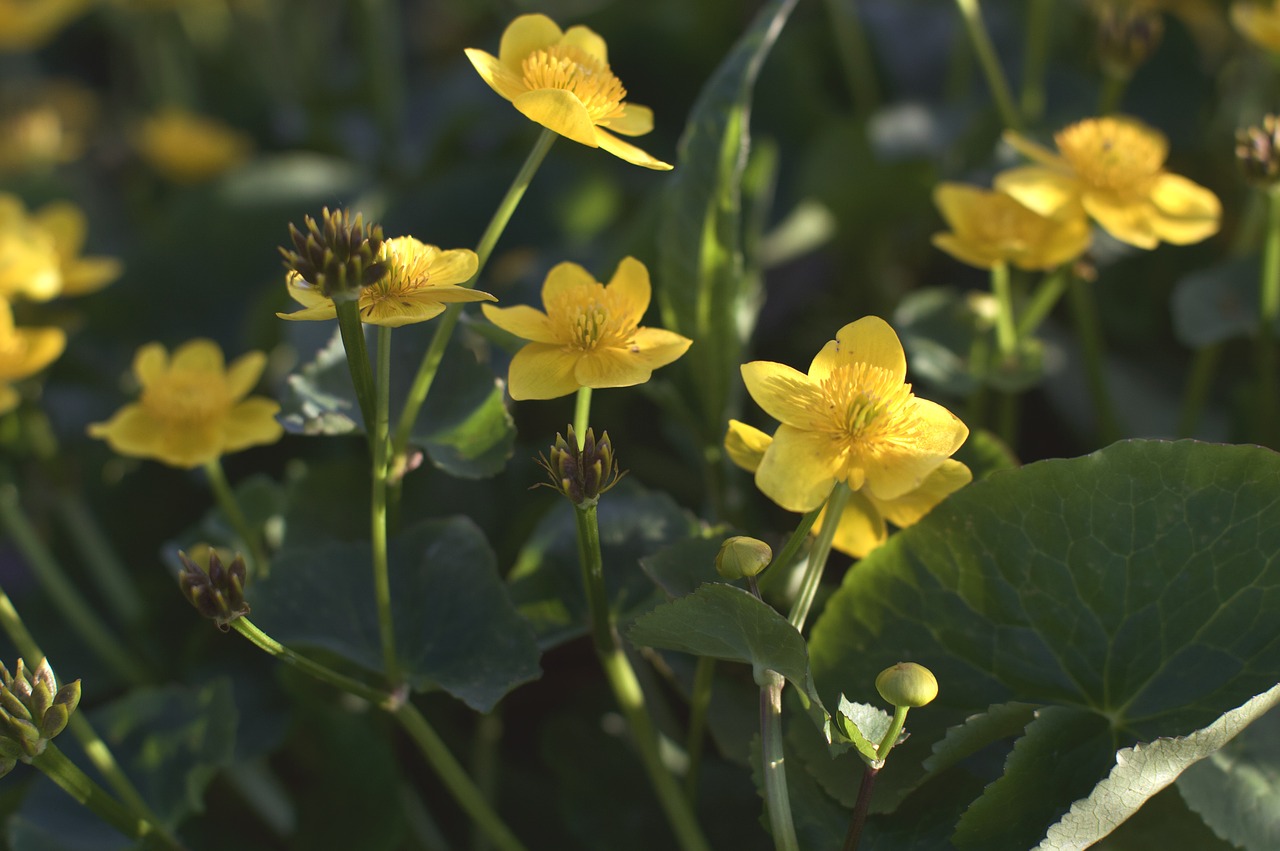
{"x": 591, "y": 317}
{"x": 407, "y": 270}
{"x": 1112, "y": 154}
{"x": 187, "y": 396}
{"x": 865, "y": 402}
{"x": 564, "y": 66}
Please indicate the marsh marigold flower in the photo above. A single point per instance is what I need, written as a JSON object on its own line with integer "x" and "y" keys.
{"x": 562, "y": 80}
{"x": 188, "y": 148}
{"x": 589, "y": 335}
{"x": 418, "y": 282}
{"x": 991, "y": 227}
{"x": 29, "y": 261}
{"x": 23, "y": 353}
{"x": 193, "y": 408}
{"x": 862, "y": 525}
{"x": 1258, "y": 21}
{"x": 851, "y": 419}
{"x": 67, "y": 226}
{"x": 1114, "y": 168}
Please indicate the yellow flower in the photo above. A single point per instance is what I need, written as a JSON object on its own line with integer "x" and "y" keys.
{"x": 589, "y": 335}
{"x": 1114, "y": 168}
{"x": 44, "y": 125}
{"x": 193, "y": 409}
{"x": 29, "y": 262}
{"x": 24, "y": 352}
{"x": 1258, "y": 22}
{"x": 852, "y": 419}
{"x": 66, "y": 225}
{"x": 562, "y": 80}
{"x": 420, "y": 281}
{"x": 991, "y": 227}
{"x": 862, "y": 523}
{"x": 29, "y": 24}
{"x": 187, "y": 148}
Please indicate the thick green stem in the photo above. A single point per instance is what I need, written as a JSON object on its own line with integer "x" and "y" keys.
{"x": 78, "y": 615}
{"x": 108, "y": 573}
{"x": 1087, "y": 326}
{"x": 777, "y": 801}
{"x": 1006, "y": 327}
{"x": 582, "y": 415}
{"x": 626, "y": 688}
{"x": 444, "y": 330}
{"x": 1196, "y": 393}
{"x": 1043, "y": 300}
{"x": 378, "y": 510}
{"x": 352, "y": 331}
{"x": 259, "y": 567}
{"x": 699, "y": 704}
{"x": 1268, "y": 315}
{"x": 891, "y": 735}
{"x": 818, "y": 556}
{"x": 990, "y": 63}
{"x": 78, "y": 785}
{"x": 1037, "y": 58}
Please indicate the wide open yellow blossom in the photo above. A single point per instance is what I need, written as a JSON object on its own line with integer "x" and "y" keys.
{"x": 23, "y": 353}
{"x": 1258, "y": 21}
{"x": 193, "y": 408}
{"x": 188, "y": 148}
{"x": 1114, "y": 168}
{"x": 852, "y": 419}
{"x": 562, "y": 80}
{"x": 29, "y": 263}
{"x": 67, "y": 225}
{"x": 420, "y": 280}
{"x": 589, "y": 335}
{"x": 862, "y": 523}
{"x": 991, "y": 227}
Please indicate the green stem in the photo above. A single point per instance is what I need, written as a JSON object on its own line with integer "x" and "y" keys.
{"x": 78, "y": 785}
{"x": 485, "y": 765}
{"x": 77, "y": 614}
{"x": 444, "y": 330}
{"x": 260, "y": 568}
{"x": 772, "y": 752}
{"x": 428, "y": 741}
{"x": 699, "y": 704}
{"x": 1043, "y": 301}
{"x": 861, "y": 808}
{"x": 818, "y": 556}
{"x": 1037, "y": 56}
{"x": 352, "y": 331}
{"x": 378, "y": 509}
{"x": 801, "y": 534}
{"x": 1199, "y": 382}
{"x": 582, "y": 415}
{"x": 854, "y": 50}
{"x": 626, "y": 688}
{"x": 891, "y": 735}
{"x": 1087, "y": 326}
{"x": 1113, "y": 89}
{"x": 1006, "y": 327}
{"x": 1269, "y": 314}
{"x": 108, "y": 573}
{"x": 990, "y": 63}
{"x": 378, "y": 33}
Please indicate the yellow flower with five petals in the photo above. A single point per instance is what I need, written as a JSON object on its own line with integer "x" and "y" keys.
{"x": 589, "y": 336}
{"x": 23, "y": 353}
{"x": 29, "y": 261}
{"x": 862, "y": 526}
{"x": 1114, "y": 168}
{"x": 851, "y": 419}
{"x": 991, "y": 227}
{"x": 420, "y": 280}
{"x": 193, "y": 407}
{"x": 562, "y": 80}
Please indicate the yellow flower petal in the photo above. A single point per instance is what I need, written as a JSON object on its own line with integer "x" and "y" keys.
{"x": 630, "y": 286}
{"x": 9, "y": 398}
{"x": 940, "y": 484}
{"x": 149, "y": 363}
{"x": 564, "y": 280}
{"x": 609, "y": 367}
{"x": 251, "y": 423}
{"x": 958, "y": 203}
{"x": 786, "y": 394}
{"x": 542, "y": 371}
{"x": 587, "y": 41}
{"x": 860, "y": 530}
{"x": 625, "y": 151}
{"x": 560, "y": 111}
{"x": 66, "y": 223}
{"x": 745, "y": 445}
{"x": 799, "y": 468}
{"x": 981, "y": 256}
{"x": 1046, "y": 191}
{"x": 1258, "y": 22}
{"x": 1186, "y": 212}
{"x": 390, "y": 313}
{"x": 197, "y": 355}
{"x": 869, "y": 340}
{"x": 501, "y": 79}
{"x": 525, "y": 322}
{"x": 635, "y": 120}
{"x": 901, "y": 465}
{"x": 523, "y": 36}
{"x": 657, "y": 347}
{"x": 1126, "y": 220}
{"x": 454, "y": 266}
{"x": 130, "y": 431}
{"x": 1033, "y": 150}
{"x": 244, "y": 372}
{"x": 87, "y": 275}
{"x": 313, "y": 314}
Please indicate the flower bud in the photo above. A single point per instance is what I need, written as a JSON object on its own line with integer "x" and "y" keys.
{"x": 33, "y": 709}
{"x": 338, "y": 256}
{"x": 907, "y": 684}
{"x": 741, "y": 556}
{"x": 1128, "y": 34}
{"x": 581, "y": 474}
{"x": 1256, "y": 152}
{"x": 218, "y": 594}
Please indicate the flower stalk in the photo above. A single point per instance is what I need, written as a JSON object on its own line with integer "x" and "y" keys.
{"x": 378, "y": 510}
{"x": 259, "y": 567}
{"x": 818, "y": 556}
{"x": 990, "y": 63}
{"x": 1268, "y": 315}
{"x": 777, "y": 800}
{"x": 1087, "y": 327}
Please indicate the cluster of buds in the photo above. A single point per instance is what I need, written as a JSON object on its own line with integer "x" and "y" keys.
{"x": 217, "y": 593}
{"x": 1129, "y": 31}
{"x": 32, "y": 711}
{"x": 581, "y": 474}
{"x": 337, "y": 255}
{"x": 1256, "y": 151}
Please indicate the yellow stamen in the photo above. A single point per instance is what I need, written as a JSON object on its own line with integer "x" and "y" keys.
{"x": 574, "y": 70}
{"x": 866, "y": 403}
{"x": 591, "y": 317}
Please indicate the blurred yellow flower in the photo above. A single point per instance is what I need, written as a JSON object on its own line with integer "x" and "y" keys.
{"x": 589, "y": 335}
{"x": 991, "y": 227}
{"x": 66, "y": 224}
{"x": 188, "y": 148}
{"x": 851, "y": 419}
{"x": 29, "y": 263}
{"x": 193, "y": 409}
{"x": 1258, "y": 21}
{"x": 420, "y": 280}
{"x": 23, "y": 352}
{"x": 1114, "y": 168}
{"x": 44, "y": 125}
{"x": 30, "y": 24}
{"x": 862, "y": 523}
{"x": 562, "y": 80}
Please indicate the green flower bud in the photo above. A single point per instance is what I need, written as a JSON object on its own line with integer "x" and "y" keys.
{"x": 338, "y": 256}
{"x": 581, "y": 474}
{"x": 218, "y": 594}
{"x": 32, "y": 711}
{"x": 741, "y": 556}
{"x": 907, "y": 684}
